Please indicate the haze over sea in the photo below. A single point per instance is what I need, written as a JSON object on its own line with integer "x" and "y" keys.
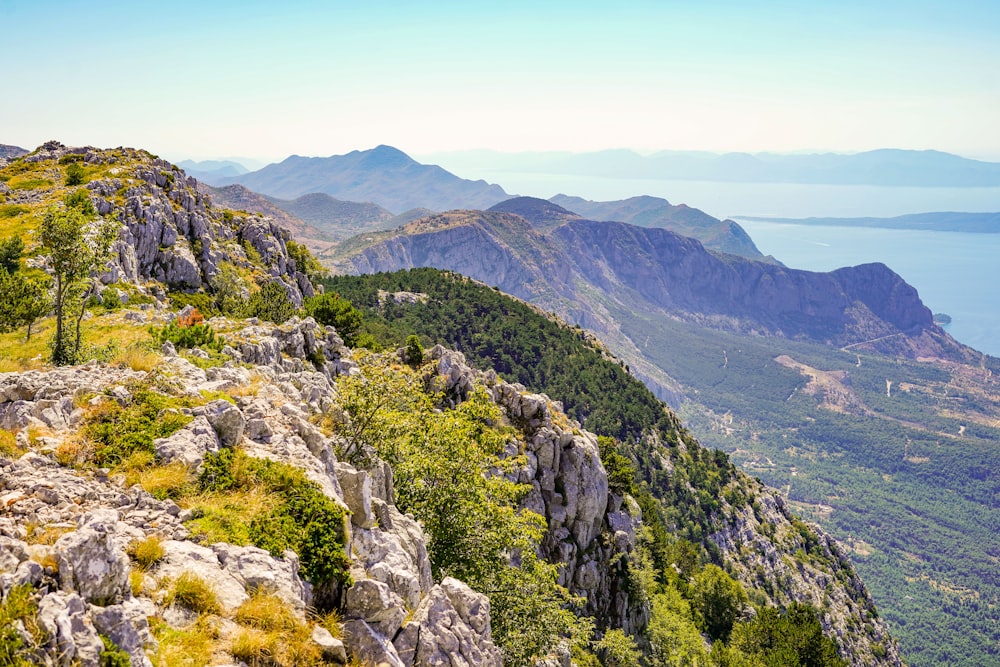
{"x": 955, "y": 273}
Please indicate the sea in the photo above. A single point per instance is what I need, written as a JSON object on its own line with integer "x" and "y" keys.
{"x": 955, "y": 273}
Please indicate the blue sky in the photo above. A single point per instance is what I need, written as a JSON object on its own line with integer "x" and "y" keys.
{"x": 265, "y": 80}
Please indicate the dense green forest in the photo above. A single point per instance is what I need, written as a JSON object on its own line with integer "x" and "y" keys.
{"x": 894, "y": 481}
{"x": 511, "y": 337}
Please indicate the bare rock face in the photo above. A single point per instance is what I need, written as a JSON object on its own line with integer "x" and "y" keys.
{"x": 376, "y": 604}
{"x": 190, "y": 444}
{"x": 91, "y": 563}
{"x": 70, "y": 633}
{"x": 257, "y": 570}
{"x": 126, "y": 625}
{"x": 835, "y": 590}
{"x": 451, "y": 626}
{"x": 187, "y": 557}
{"x": 588, "y": 529}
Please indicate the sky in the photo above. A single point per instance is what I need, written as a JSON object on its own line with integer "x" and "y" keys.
{"x": 265, "y": 80}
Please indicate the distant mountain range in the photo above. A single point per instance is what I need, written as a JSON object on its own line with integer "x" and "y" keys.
{"x": 885, "y": 167}
{"x": 393, "y": 179}
{"x": 646, "y": 211}
{"x": 596, "y": 273}
{"x": 7, "y": 151}
{"x": 210, "y": 171}
{"x": 981, "y": 223}
{"x": 383, "y": 175}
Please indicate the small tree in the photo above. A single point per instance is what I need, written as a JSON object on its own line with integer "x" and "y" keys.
{"x": 414, "y": 352}
{"x": 75, "y": 250}
{"x": 10, "y": 254}
{"x": 618, "y": 649}
{"x": 304, "y": 261}
{"x": 22, "y": 301}
{"x": 229, "y": 290}
{"x": 75, "y": 174}
{"x": 331, "y": 310}
{"x": 271, "y": 303}
{"x": 718, "y": 601}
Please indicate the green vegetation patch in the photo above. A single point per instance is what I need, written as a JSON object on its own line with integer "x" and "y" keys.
{"x": 509, "y": 336}
{"x": 120, "y": 431}
{"x": 19, "y": 605}
{"x": 274, "y": 506}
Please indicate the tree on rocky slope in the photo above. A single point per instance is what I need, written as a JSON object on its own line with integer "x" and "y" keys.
{"x": 75, "y": 250}
{"x": 22, "y": 301}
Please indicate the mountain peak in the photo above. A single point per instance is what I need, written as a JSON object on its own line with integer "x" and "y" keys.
{"x": 383, "y": 157}
{"x": 536, "y": 211}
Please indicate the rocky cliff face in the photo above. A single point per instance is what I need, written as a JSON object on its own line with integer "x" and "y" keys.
{"x": 85, "y": 585}
{"x": 584, "y": 271}
{"x": 169, "y": 232}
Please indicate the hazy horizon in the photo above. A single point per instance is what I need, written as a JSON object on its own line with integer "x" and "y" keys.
{"x": 203, "y": 80}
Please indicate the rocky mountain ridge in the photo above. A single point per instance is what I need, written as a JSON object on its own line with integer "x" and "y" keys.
{"x": 260, "y": 396}
{"x": 585, "y": 271}
{"x": 645, "y": 211}
{"x": 100, "y": 521}
{"x": 169, "y": 237}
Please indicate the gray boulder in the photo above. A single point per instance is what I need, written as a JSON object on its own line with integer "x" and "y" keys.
{"x": 376, "y": 604}
{"x": 227, "y": 420}
{"x": 125, "y": 624}
{"x": 258, "y": 570}
{"x": 180, "y": 557}
{"x": 357, "y": 488}
{"x": 190, "y": 444}
{"x": 71, "y": 638}
{"x": 91, "y": 563}
{"x": 450, "y": 627}
{"x": 369, "y": 647}
{"x": 332, "y": 648}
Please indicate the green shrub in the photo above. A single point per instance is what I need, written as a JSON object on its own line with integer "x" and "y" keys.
{"x": 75, "y": 174}
{"x": 304, "y": 261}
{"x": 19, "y": 605}
{"x": 331, "y": 310}
{"x": 270, "y": 303}
{"x": 195, "y": 335}
{"x": 203, "y": 302}
{"x": 303, "y": 519}
{"x": 414, "y": 352}
{"x": 119, "y": 431}
{"x": 110, "y": 300}
{"x": 112, "y": 656}
{"x": 10, "y": 253}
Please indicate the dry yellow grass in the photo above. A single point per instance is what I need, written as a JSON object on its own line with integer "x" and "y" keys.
{"x": 138, "y": 358}
{"x": 45, "y": 534}
{"x": 166, "y": 481}
{"x": 146, "y": 552}
{"x": 193, "y": 592}
{"x": 273, "y": 634}
{"x": 8, "y": 445}
{"x": 193, "y": 646}
{"x": 74, "y": 451}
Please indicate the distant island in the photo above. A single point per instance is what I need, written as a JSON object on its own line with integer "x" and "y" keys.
{"x": 950, "y": 221}
{"x": 942, "y": 319}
